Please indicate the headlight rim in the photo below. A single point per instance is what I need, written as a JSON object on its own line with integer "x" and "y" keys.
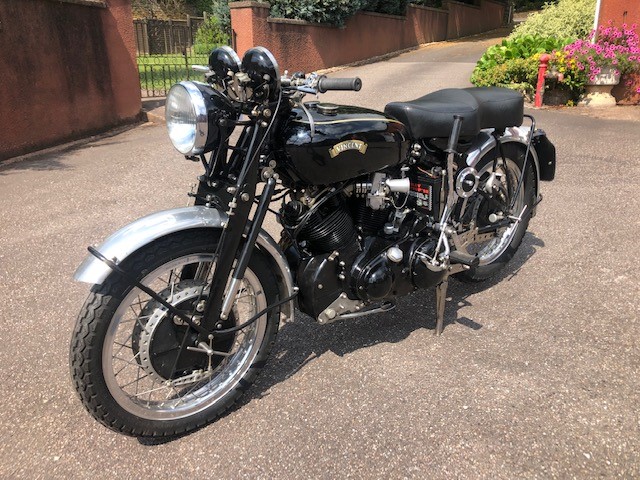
{"x": 201, "y": 116}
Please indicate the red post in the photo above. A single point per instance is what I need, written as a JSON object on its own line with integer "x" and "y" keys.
{"x": 542, "y": 70}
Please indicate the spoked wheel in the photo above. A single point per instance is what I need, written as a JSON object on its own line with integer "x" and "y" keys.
{"x": 495, "y": 249}
{"x": 127, "y": 360}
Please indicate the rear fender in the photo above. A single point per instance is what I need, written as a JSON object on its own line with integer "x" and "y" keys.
{"x": 145, "y": 230}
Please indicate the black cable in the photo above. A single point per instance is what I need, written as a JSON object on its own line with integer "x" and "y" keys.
{"x": 255, "y": 317}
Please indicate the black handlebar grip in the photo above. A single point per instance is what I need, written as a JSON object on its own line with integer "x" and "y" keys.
{"x": 325, "y": 84}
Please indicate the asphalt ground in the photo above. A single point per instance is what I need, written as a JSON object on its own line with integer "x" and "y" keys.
{"x": 535, "y": 376}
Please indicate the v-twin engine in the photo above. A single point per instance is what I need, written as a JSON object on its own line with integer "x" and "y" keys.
{"x": 351, "y": 251}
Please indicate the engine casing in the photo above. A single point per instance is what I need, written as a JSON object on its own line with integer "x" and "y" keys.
{"x": 378, "y": 275}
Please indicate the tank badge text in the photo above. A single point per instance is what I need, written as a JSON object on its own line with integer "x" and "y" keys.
{"x": 348, "y": 145}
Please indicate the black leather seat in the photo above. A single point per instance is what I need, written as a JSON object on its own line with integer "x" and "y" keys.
{"x": 482, "y": 107}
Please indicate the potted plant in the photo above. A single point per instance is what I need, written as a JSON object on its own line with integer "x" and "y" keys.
{"x": 627, "y": 41}
{"x": 601, "y": 61}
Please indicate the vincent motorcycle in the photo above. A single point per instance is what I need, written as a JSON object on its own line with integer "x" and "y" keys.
{"x": 186, "y": 303}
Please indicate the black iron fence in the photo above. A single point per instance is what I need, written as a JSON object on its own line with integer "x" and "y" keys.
{"x": 166, "y": 52}
{"x": 159, "y": 72}
{"x": 162, "y": 37}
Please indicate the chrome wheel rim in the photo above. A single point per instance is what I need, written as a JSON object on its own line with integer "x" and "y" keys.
{"x": 144, "y": 395}
{"x": 490, "y": 250}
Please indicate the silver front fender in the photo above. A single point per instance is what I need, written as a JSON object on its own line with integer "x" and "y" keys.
{"x": 145, "y": 230}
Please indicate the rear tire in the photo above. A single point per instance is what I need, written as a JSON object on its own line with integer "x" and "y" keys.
{"x": 124, "y": 344}
{"x": 507, "y": 242}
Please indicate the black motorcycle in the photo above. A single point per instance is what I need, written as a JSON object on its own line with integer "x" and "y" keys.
{"x": 186, "y": 303}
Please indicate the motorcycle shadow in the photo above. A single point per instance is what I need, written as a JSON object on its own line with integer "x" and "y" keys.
{"x": 304, "y": 340}
{"x": 301, "y": 342}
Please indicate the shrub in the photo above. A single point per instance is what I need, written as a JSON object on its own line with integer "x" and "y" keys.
{"x": 514, "y": 62}
{"x": 517, "y": 73}
{"x": 333, "y": 12}
{"x": 567, "y": 18}
{"x": 209, "y": 35}
{"x": 390, "y": 7}
{"x": 521, "y": 47}
{"x": 428, "y": 3}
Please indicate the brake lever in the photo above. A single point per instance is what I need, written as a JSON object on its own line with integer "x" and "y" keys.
{"x": 306, "y": 89}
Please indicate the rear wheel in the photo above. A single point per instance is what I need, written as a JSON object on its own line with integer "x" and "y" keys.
{"x": 494, "y": 250}
{"x": 125, "y": 361}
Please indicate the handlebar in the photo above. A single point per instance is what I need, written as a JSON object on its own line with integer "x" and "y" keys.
{"x": 313, "y": 83}
{"x": 325, "y": 84}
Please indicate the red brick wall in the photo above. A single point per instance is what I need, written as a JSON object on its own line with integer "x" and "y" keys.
{"x": 66, "y": 70}
{"x": 302, "y": 46}
{"x": 465, "y": 20}
{"x": 621, "y": 12}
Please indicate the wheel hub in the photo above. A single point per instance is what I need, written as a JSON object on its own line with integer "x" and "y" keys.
{"x": 158, "y": 336}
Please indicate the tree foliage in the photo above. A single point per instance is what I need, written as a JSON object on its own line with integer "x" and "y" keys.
{"x": 210, "y": 35}
{"x": 333, "y": 12}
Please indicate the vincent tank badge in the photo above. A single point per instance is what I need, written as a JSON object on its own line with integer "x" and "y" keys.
{"x": 348, "y": 145}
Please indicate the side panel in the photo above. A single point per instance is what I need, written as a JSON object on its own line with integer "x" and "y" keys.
{"x": 130, "y": 238}
{"x": 546, "y": 155}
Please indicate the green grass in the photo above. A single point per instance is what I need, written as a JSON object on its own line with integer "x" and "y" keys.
{"x": 159, "y": 72}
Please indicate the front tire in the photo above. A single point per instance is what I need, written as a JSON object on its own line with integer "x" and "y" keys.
{"x": 124, "y": 349}
{"x": 495, "y": 253}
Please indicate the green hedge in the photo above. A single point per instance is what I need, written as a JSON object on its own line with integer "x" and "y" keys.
{"x": 333, "y": 12}
{"x": 565, "y": 19}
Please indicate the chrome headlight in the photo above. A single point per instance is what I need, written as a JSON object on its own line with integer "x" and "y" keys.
{"x": 187, "y": 119}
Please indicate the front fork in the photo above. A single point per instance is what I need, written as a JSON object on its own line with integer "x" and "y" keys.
{"x": 229, "y": 257}
{"x": 236, "y": 243}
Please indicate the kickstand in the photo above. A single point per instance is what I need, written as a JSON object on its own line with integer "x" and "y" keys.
{"x": 441, "y": 300}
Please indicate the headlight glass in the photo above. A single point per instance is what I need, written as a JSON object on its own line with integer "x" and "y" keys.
{"x": 186, "y": 118}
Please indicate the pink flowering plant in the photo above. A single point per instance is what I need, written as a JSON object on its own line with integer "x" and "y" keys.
{"x": 612, "y": 47}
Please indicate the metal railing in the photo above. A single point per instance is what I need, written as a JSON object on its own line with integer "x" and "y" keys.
{"x": 165, "y": 53}
{"x": 162, "y": 37}
{"x": 159, "y": 72}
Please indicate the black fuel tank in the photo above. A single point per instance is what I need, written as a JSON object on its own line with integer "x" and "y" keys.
{"x": 347, "y": 142}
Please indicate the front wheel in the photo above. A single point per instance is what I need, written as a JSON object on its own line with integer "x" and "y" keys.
{"x": 127, "y": 360}
{"x": 494, "y": 250}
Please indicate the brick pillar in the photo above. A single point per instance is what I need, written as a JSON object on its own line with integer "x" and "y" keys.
{"x": 120, "y": 38}
{"x": 249, "y": 24}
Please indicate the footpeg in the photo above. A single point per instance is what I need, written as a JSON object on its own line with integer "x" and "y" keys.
{"x": 464, "y": 258}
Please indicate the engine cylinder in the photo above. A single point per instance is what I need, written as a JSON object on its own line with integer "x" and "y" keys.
{"x": 328, "y": 228}
{"x": 371, "y": 221}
